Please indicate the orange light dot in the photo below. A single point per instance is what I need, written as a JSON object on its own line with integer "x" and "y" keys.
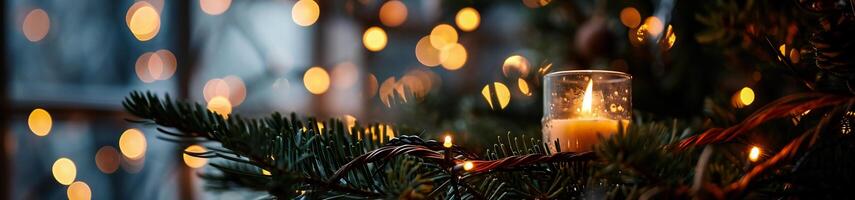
{"x": 453, "y": 56}
{"x": 345, "y": 75}
{"x": 79, "y": 191}
{"x": 40, "y": 122}
{"x": 169, "y": 63}
{"x": 215, "y": 7}
{"x": 220, "y": 105}
{"x": 468, "y": 19}
{"x": 132, "y": 143}
{"x": 393, "y": 13}
{"x": 371, "y": 86}
{"x": 443, "y": 35}
{"x": 107, "y": 159}
{"x": 515, "y": 66}
{"x": 36, "y": 25}
{"x": 754, "y": 154}
{"x": 216, "y": 88}
{"x": 305, "y": 12}
{"x": 746, "y": 96}
{"x": 64, "y": 171}
{"x": 143, "y": 21}
{"x": 374, "y": 39}
{"x": 654, "y": 25}
{"x": 193, "y": 161}
{"x": 523, "y": 86}
{"x": 630, "y": 17}
{"x": 503, "y": 95}
{"x": 426, "y": 53}
{"x": 316, "y": 80}
{"x": 468, "y": 165}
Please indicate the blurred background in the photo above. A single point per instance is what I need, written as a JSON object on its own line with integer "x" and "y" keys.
{"x": 472, "y": 68}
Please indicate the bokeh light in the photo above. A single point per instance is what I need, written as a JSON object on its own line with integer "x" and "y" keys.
{"x": 345, "y": 75}
{"x": 467, "y": 19}
{"x": 387, "y": 89}
{"x": 214, "y": 7}
{"x": 630, "y": 17}
{"x": 393, "y": 13}
{"x": 654, "y": 26}
{"x": 107, "y": 159}
{"x": 220, "y": 105}
{"x": 746, "y": 96}
{"x": 443, "y": 35}
{"x": 143, "y": 21}
{"x": 371, "y": 86}
{"x": 316, "y": 80}
{"x": 502, "y": 93}
{"x": 453, "y": 56}
{"x": 515, "y": 66}
{"x": 216, "y": 88}
{"x": 193, "y": 161}
{"x": 236, "y": 90}
{"x": 142, "y": 68}
{"x": 535, "y": 3}
{"x": 36, "y": 25}
{"x": 305, "y": 12}
{"x": 169, "y": 64}
{"x": 754, "y": 154}
{"x": 523, "y": 86}
{"x": 426, "y": 53}
{"x": 132, "y": 143}
{"x": 64, "y": 171}
{"x": 670, "y": 37}
{"x": 374, "y": 39}
{"x": 468, "y": 165}
{"x": 40, "y": 122}
{"x": 79, "y": 190}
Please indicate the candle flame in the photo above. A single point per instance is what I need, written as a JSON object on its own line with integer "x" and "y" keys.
{"x": 447, "y": 143}
{"x": 588, "y": 97}
{"x": 754, "y": 155}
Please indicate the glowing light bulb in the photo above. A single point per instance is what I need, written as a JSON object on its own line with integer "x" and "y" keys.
{"x": 754, "y": 154}
{"x": 64, "y": 171}
{"x": 305, "y": 12}
{"x": 132, "y": 143}
{"x": 193, "y": 161}
{"x": 746, "y": 96}
{"x": 40, "y": 122}
{"x": 374, "y": 39}
{"x": 468, "y": 19}
{"x": 468, "y": 165}
{"x": 316, "y": 80}
{"x": 143, "y": 20}
{"x": 447, "y": 143}
{"x": 220, "y": 105}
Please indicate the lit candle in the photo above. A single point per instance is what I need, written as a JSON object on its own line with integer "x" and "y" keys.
{"x": 576, "y": 125}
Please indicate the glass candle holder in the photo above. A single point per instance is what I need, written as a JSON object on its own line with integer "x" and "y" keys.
{"x": 579, "y": 105}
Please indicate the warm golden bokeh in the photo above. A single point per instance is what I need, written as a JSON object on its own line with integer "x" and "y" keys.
{"x": 316, "y": 80}
{"x": 40, "y": 122}
{"x": 305, "y": 12}
{"x": 630, "y": 17}
{"x": 654, "y": 26}
{"x": 220, "y": 105}
{"x": 443, "y": 35}
{"x": 374, "y": 39}
{"x": 502, "y": 93}
{"x": 79, "y": 190}
{"x": 216, "y": 88}
{"x": 214, "y": 7}
{"x": 670, "y": 37}
{"x": 143, "y": 21}
{"x": 453, "y": 56}
{"x": 467, "y": 19}
{"x": 754, "y": 154}
{"x": 36, "y": 25}
{"x": 193, "y": 161}
{"x": 133, "y": 144}
{"x": 64, "y": 171}
{"x": 237, "y": 90}
{"x": 169, "y": 64}
{"x": 107, "y": 159}
{"x": 345, "y": 75}
{"x": 746, "y": 96}
{"x": 468, "y": 165}
{"x": 523, "y": 86}
{"x": 393, "y": 13}
{"x": 515, "y": 66}
{"x": 426, "y": 53}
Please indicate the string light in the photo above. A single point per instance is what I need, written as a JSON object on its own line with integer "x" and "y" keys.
{"x": 374, "y": 39}
{"x": 64, "y": 171}
{"x": 193, "y": 161}
{"x": 214, "y": 7}
{"x": 447, "y": 142}
{"x": 79, "y": 190}
{"x": 393, "y": 13}
{"x": 40, "y": 122}
{"x": 467, "y": 19}
{"x": 143, "y": 21}
{"x": 746, "y": 96}
{"x": 36, "y": 25}
{"x": 132, "y": 143}
{"x": 316, "y": 80}
{"x": 305, "y": 12}
{"x": 468, "y": 165}
{"x": 754, "y": 154}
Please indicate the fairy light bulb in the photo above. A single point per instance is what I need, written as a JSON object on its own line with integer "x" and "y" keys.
{"x": 447, "y": 142}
